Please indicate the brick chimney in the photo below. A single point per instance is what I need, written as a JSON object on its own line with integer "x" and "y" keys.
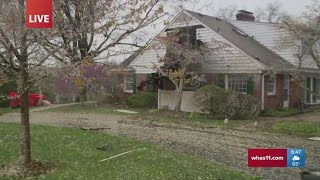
{"x": 245, "y": 16}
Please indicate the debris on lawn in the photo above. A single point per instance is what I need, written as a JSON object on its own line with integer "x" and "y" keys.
{"x": 93, "y": 129}
{"x": 314, "y": 138}
{"x": 121, "y": 154}
{"x": 105, "y": 148}
{"x": 126, "y": 111}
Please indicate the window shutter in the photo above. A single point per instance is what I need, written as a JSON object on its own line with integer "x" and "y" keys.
{"x": 134, "y": 77}
{"x": 221, "y": 82}
{"x": 250, "y": 88}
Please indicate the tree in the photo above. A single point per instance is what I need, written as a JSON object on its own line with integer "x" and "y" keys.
{"x": 303, "y": 34}
{"x": 184, "y": 53}
{"x": 91, "y": 30}
{"x": 228, "y": 12}
{"x": 272, "y": 13}
{"x": 19, "y": 49}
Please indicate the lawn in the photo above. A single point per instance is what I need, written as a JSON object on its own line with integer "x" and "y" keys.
{"x": 7, "y": 110}
{"x": 304, "y": 129}
{"x": 75, "y": 155}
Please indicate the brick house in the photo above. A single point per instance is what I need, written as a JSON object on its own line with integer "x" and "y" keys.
{"x": 253, "y": 64}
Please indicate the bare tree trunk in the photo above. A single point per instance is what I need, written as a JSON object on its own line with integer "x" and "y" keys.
{"x": 179, "y": 96}
{"x": 83, "y": 96}
{"x": 25, "y": 148}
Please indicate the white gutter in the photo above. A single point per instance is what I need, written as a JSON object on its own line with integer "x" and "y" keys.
{"x": 262, "y": 91}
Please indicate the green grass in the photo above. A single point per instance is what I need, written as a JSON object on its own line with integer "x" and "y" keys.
{"x": 75, "y": 156}
{"x": 7, "y": 110}
{"x": 280, "y": 113}
{"x": 303, "y": 129}
{"x": 86, "y": 108}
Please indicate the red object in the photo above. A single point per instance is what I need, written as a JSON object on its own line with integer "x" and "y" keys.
{"x": 39, "y": 14}
{"x": 33, "y": 99}
{"x": 267, "y": 157}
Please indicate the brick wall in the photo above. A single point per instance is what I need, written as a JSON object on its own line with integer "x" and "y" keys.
{"x": 276, "y": 101}
{"x": 296, "y": 94}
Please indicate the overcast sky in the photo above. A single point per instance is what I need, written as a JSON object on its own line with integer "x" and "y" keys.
{"x": 293, "y": 7}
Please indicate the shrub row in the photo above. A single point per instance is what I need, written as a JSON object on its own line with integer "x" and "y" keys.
{"x": 221, "y": 103}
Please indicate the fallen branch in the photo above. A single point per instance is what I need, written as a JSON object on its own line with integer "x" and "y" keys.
{"x": 72, "y": 143}
{"x": 93, "y": 129}
{"x": 121, "y": 154}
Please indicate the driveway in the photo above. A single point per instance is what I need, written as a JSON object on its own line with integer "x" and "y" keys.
{"x": 222, "y": 145}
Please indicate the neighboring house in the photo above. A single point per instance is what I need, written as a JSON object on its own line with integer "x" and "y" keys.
{"x": 253, "y": 63}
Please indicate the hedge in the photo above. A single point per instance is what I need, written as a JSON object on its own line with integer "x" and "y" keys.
{"x": 142, "y": 100}
{"x": 221, "y": 103}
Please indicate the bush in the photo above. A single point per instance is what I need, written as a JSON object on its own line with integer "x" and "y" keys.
{"x": 222, "y": 104}
{"x": 107, "y": 99}
{"x": 4, "y": 102}
{"x": 142, "y": 100}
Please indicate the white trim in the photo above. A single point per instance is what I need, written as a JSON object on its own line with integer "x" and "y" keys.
{"x": 125, "y": 84}
{"x": 226, "y": 82}
{"x": 262, "y": 91}
{"x": 274, "y": 92}
{"x": 286, "y": 82}
{"x": 311, "y": 89}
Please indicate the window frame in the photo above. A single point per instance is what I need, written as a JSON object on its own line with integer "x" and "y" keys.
{"x": 274, "y": 84}
{"x": 126, "y": 90}
{"x": 239, "y": 82}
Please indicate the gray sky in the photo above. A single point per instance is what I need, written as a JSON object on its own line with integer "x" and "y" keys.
{"x": 293, "y": 7}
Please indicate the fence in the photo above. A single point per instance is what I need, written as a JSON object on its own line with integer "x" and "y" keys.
{"x": 167, "y": 99}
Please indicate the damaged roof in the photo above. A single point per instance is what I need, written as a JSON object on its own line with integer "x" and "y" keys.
{"x": 244, "y": 42}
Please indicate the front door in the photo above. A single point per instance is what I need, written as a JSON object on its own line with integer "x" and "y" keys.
{"x": 286, "y": 91}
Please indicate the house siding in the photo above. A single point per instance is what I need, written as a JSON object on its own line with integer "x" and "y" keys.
{"x": 269, "y": 35}
{"x": 227, "y": 58}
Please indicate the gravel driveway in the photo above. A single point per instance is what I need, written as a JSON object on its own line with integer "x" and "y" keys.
{"x": 225, "y": 146}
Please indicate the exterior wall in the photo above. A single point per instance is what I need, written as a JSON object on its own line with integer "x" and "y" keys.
{"x": 139, "y": 79}
{"x": 276, "y": 101}
{"x": 122, "y": 95}
{"x": 167, "y": 96}
{"x": 121, "y": 92}
{"x": 296, "y": 94}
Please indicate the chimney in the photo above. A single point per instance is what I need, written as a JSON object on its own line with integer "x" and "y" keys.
{"x": 245, "y": 16}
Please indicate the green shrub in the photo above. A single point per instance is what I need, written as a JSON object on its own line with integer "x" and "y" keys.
{"x": 4, "y": 102}
{"x": 271, "y": 112}
{"x": 107, "y": 99}
{"x": 221, "y": 103}
{"x": 142, "y": 100}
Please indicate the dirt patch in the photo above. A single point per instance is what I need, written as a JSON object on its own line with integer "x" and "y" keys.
{"x": 35, "y": 168}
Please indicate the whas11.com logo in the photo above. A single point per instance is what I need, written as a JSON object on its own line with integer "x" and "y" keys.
{"x": 39, "y": 14}
{"x": 276, "y": 158}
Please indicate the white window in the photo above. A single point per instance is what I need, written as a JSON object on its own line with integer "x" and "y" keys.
{"x": 312, "y": 90}
{"x": 272, "y": 85}
{"x": 238, "y": 83}
{"x": 129, "y": 84}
